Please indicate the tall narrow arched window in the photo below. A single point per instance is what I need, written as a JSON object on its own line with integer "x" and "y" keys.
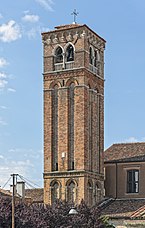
{"x": 71, "y": 192}
{"x": 91, "y": 56}
{"x": 58, "y": 55}
{"x": 55, "y": 192}
{"x": 55, "y": 128}
{"x": 71, "y": 127}
{"x": 90, "y": 193}
{"x": 70, "y": 53}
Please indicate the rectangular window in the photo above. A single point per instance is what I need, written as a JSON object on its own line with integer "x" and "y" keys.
{"x": 132, "y": 181}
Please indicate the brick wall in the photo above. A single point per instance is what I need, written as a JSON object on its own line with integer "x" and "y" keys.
{"x": 77, "y": 130}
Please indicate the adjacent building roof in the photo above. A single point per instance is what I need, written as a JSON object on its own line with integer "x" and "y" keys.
{"x": 125, "y": 152}
{"x": 123, "y": 208}
{"x": 5, "y": 193}
{"x": 36, "y": 194}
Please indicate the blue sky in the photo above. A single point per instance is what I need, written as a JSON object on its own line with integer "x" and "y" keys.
{"x": 120, "y": 22}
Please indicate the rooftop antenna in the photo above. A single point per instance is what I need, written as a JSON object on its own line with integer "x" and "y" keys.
{"x": 75, "y": 14}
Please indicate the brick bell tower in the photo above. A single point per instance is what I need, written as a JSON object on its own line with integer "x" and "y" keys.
{"x": 73, "y": 114}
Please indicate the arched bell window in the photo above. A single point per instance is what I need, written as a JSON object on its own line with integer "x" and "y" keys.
{"x": 91, "y": 56}
{"x": 58, "y": 55}
{"x": 70, "y": 53}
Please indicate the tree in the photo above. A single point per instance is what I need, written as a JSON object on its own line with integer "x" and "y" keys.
{"x": 41, "y": 215}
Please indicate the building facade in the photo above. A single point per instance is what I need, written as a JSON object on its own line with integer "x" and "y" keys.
{"x": 73, "y": 57}
{"x": 125, "y": 171}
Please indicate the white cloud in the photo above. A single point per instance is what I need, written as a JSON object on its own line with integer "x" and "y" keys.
{"x": 3, "y": 62}
{"x": 131, "y": 140}
{"x": 2, "y": 75}
{"x": 32, "y": 33}
{"x": 3, "y": 83}
{"x": 11, "y": 90}
{"x": 26, "y": 166}
{"x": 30, "y": 18}
{"x": 2, "y": 122}
{"x": 10, "y": 31}
{"x": 8, "y": 167}
{"x": 47, "y": 4}
{"x": 3, "y": 107}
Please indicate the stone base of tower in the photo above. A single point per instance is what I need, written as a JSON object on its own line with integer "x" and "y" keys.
{"x": 73, "y": 186}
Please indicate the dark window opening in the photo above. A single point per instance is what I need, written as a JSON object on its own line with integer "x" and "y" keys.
{"x": 96, "y": 59}
{"x": 58, "y": 55}
{"x": 56, "y": 166}
{"x": 133, "y": 181}
{"x": 70, "y": 53}
{"x": 91, "y": 56}
{"x": 73, "y": 165}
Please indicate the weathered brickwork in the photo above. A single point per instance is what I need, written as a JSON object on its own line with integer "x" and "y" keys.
{"x": 73, "y": 115}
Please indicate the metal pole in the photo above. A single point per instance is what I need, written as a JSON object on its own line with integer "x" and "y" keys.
{"x": 13, "y": 202}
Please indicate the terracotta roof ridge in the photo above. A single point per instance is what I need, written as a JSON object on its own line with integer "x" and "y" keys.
{"x": 105, "y": 203}
{"x": 67, "y": 25}
{"x": 138, "y": 212}
{"x": 126, "y": 143}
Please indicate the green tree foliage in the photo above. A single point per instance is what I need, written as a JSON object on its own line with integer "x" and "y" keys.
{"x": 106, "y": 223}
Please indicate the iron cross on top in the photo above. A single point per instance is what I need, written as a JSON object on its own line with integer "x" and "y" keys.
{"x": 75, "y": 14}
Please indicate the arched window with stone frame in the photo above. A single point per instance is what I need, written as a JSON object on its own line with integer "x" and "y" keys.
{"x": 69, "y": 53}
{"x": 71, "y": 191}
{"x": 58, "y": 58}
{"x": 69, "y": 56}
{"x": 58, "y": 55}
{"x": 71, "y": 164}
{"x": 55, "y": 191}
{"x": 90, "y": 192}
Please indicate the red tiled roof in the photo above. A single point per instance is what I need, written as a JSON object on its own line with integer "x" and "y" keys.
{"x": 124, "y": 151}
{"x": 67, "y": 26}
{"x": 123, "y": 208}
{"x": 140, "y": 213}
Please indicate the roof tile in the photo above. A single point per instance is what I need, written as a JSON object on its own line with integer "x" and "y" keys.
{"x": 122, "y": 151}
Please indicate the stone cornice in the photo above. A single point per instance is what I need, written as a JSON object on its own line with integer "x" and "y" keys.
{"x": 75, "y": 72}
{"x": 73, "y": 173}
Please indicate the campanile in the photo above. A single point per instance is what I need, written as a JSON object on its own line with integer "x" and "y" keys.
{"x": 73, "y": 57}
